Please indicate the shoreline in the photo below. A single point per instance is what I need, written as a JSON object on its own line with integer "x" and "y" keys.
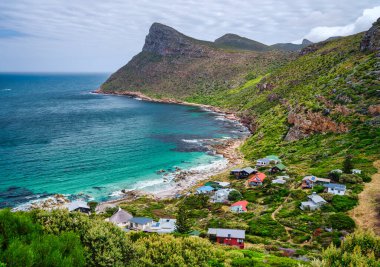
{"x": 185, "y": 180}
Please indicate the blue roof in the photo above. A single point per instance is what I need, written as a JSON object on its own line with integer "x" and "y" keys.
{"x": 205, "y": 188}
{"x": 141, "y": 220}
{"x": 336, "y": 186}
{"x": 264, "y": 160}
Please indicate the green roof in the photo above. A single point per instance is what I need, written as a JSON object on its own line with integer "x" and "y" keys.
{"x": 281, "y": 166}
{"x": 195, "y": 232}
{"x": 213, "y": 184}
{"x": 273, "y": 157}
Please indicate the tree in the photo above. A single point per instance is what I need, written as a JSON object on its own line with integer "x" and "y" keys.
{"x": 234, "y": 195}
{"x": 183, "y": 224}
{"x": 347, "y": 164}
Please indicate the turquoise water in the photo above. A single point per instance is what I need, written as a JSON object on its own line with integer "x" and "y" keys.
{"x": 57, "y": 137}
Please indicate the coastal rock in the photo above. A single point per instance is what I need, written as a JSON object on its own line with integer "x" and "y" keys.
{"x": 371, "y": 40}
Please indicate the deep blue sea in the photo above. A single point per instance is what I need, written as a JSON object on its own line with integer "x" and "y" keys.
{"x": 57, "y": 137}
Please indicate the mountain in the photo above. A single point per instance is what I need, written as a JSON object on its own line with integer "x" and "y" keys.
{"x": 172, "y": 64}
{"x": 290, "y": 46}
{"x": 234, "y": 41}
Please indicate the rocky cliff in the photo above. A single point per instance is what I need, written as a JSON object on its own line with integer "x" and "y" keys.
{"x": 371, "y": 40}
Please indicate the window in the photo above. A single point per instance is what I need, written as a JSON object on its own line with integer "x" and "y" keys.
{"x": 240, "y": 241}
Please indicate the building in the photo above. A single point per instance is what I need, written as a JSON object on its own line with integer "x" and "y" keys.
{"x": 206, "y": 189}
{"x": 79, "y": 206}
{"x": 336, "y": 189}
{"x": 339, "y": 171}
{"x": 310, "y": 181}
{"x": 120, "y": 218}
{"x": 273, "y": 159}
{"x": 140, "y": 223}
{"x": 284, "y": 177}
{"x": 221, "y": 196}
{"x": 256, "y": 179}
{"x": 356, "y": 171}
{"x": 262, "y": 162}
{"x": 278, "y": 168}
{"x": 164, "y": 226}
{"x": 315, "y": 202}
{"x": 240, "y": 206}
{"x": 223, "y": 184}
{"x": 243, "y": 173}
{"x": 228, "y": 237}
{"x": 279, "y": 181}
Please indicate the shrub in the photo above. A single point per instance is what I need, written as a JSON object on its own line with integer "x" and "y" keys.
{"x": 327, "y": 196}
{"x": 350, "y": 178}
{"x": 343, "y": 203}
{"x": 347, "y": 164}
{"x": 341, "y": 221}
{"x": 234, "y": 196}
{"x": 298, "y": 194}
{"x": 265, "y": 226}
{"x": 318, "y": 188}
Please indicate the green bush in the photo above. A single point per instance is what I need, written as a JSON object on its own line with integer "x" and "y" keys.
{"x": 318, "y": 188}
{"x": 343, "y": 203}
{"x": 265, "y": 226}
{"x": 234, "y": 196}
{"x": 341, "y": 221}
{"x": 350, "y": 179}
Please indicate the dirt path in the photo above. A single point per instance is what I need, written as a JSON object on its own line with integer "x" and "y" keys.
{"x": 366, "y": 214}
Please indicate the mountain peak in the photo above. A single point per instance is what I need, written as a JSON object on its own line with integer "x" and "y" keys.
{"x": 306, "y": 42}
{"x": 166, "y": 41}
{"x": 235, "y": 41}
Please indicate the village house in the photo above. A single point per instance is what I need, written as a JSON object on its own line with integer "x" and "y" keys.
{"x": 337, "y": 171}
{"x": 256, "y": 179}
{"x": 273, "y": 159}
{"x": 262, "y": 162}
{"x": 243, "y": 173}
{"x": 228, "y": 237}
{"x": 221, "y": 196}
{"x": 284, "y": 177}
{"x": 336, "y": 189}
{"x": 315, "y": 202}
{"x": 120, "y": 218}
{"x": 278, "y": 168}
{"x": 240, "y": 206}
{"x": 140, "y": 223}
{"x": 79, "y": 206}
{"x": 223, "y": 184}
{"x": 164, "y": 226}
{"x": 310, "y": 181}
{"x": 206, "y": 189}
{"x": 279, "y": 181}
{"x": 356, "y": 171}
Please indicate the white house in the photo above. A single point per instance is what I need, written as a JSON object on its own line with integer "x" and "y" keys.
{"x": 315, "y": 202}
{"x": 336, "y": 189}
{"x": 262, "y": 162}
{"x": 278, "y": 181}
{"x": 337, "y": 171}
{"x": 120, "y": 218}
{"x": 140, "y": 223}
{"x": 221, "y": 195}
{"x": 164, "y": 226}
{"x": 356, "y": 171}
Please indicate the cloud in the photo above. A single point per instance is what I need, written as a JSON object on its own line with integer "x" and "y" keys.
{"x": 362, "y": 23}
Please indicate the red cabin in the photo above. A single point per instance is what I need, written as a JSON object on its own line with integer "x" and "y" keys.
{"x": 228, "y": 237}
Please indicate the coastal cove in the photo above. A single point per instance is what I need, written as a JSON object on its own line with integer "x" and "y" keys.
{"x": 58, "y": 138}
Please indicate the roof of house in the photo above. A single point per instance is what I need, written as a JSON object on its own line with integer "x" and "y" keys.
{"x": 242, "y": 203}
{"x": 121, "y": 216}
{"x": 280, "y": 166}
{"x": 257, "y": 177}
{"x": 316, "y": 179}
{"x": 316, "y": 198}
{"x": 220, "y": 232}
{"x": 205, "y": 188}
{"x": 236, "y": 170}
{"x": 213, "y": 184}
{"x": 337, "y": 171}
{"x": 76, "y": 204}
{"x": 223, "y": 184}
{"x": 224, "y": 191}
{"x": 248, "y": 170}
{"x": 272, "y": 157}
{"x": 141, "y": 220}
{"x": 279, "y": 181}
{"x": 265, "y": 160}
{"x": 283, "y": 177}
{"x": 341, "y": 187}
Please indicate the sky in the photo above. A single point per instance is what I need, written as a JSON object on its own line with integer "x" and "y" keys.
{"x": 103, "y": 35}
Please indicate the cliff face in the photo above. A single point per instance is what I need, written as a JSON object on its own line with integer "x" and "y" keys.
{"x": 173, "y": 65}
{"x": 371, "y": 40}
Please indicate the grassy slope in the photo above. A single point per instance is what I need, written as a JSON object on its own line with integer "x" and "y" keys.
{"x": 338, "y": 72}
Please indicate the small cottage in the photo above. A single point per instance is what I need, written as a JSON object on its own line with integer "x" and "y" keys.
{"x": 262, "y": 162}
{"x": 223, "y": 184}
{"x": 221, "y": 196}
{"x": 79, "y": 206}
{"x": 228, "y": 237}
{"x": 164, "y": 226}
{"x": 278, "y": 168}
{"x": 240, "y": 206}
{"x": 273, "y": 159}
{"x": 120, "y": 218}
{"x": 336, "y": 189}
{"x": 339, "y": 171}
{"x": 140, "y": 223}
{"x": 243, "y": 173}
{"x": 206, "y": 189}
{"x": 310, "y": 181}
{"x": 279, "y": 181}
{"x": 256, "y": 179}
{"x": 356, "y": 171}
{"x": 315, "y": 202}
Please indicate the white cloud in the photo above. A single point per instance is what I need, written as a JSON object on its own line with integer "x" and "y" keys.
{"x": 362, "y": 23}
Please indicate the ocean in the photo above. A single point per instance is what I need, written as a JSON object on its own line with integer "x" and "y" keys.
{"x": 58, "y": 137}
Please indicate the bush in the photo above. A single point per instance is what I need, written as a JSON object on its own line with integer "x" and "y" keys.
{"x": 343, "y": 203}
{"x": 327, "y": 196}
{"x": 298, "y": 194}
{"x": 234, "y": 196}
{"x": 265, "y": 226}
{"x": 350, "y": 179}
{"x": 366, "y": 178}
{"x": 250, "y": 195}
{"x": 341, "y": 221}
{"x": 318, "y": 189}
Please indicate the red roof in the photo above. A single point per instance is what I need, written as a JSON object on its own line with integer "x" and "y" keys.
{"x": 242, "y": 203}
{"x": 257, "y": 176}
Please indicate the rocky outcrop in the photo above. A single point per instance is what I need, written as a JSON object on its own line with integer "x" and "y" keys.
{"x": 371, "y": 40}
{"x": 166, "y": 41}
{"x": 306, "y": 123}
